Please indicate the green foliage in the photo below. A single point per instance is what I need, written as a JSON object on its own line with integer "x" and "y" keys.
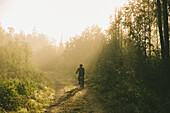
{"x": 124, "y": 66}
{"x": 127, "y": 83}
{"x": 129, "y": 75}
{"x": 22, "y": 86}
{"x": 14, "y": 94}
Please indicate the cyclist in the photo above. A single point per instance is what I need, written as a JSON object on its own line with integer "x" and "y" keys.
{"x": 81, "y": 72}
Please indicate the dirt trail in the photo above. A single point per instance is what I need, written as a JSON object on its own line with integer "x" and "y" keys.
{"x": 69, "y": 98}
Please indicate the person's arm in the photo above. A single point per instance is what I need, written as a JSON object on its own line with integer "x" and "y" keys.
{"x": 77, "y": 71}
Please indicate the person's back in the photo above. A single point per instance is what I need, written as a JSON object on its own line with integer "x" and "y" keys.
{"x": 81, "y": 72}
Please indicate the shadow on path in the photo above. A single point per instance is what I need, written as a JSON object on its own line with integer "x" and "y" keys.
{"x": 68, "y": 95}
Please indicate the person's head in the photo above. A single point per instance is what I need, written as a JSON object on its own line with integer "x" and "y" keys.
{"x": 81, "y": 65}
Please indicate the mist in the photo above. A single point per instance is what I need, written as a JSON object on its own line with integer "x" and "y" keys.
{"x": 92, "y": 63}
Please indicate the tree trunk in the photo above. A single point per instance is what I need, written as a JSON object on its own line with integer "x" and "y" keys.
{"x": 157, "y": 39}
{"x": 160, "y": 30}
{"x": 166, "y": 36}
{"x": 149, "y": 29}
{"x": 145, "y": 30}
{"x": 121, "y": 38}
{"x": 166, "y": 33}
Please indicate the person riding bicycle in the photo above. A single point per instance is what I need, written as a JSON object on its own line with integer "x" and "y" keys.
{"x": 81, "y": 72}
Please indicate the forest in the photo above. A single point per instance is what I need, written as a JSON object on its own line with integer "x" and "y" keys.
{"x": 127, "y": 66}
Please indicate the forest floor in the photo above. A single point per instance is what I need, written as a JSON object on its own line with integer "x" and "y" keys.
{"x": 69, "y": 98}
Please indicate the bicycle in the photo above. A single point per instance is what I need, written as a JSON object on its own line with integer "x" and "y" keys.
{"x": 81, "y": 82}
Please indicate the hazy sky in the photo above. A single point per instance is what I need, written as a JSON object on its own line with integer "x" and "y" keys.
{"x": 53, "y": 17}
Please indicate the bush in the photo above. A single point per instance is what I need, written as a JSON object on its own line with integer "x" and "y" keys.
{"x": 9, "y": 96}
{"x": 129, "y": 82}
{"x": 21, "y": 82}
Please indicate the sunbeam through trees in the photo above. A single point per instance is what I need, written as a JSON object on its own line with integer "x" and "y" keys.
{"x": 125, "y": 67}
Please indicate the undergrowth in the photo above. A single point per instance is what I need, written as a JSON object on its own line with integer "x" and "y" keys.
{"x": 22, "y": 86}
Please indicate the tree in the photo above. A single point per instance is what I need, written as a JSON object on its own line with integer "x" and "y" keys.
{"x": 166, "y": 38}
{"x": 160, "y": 30}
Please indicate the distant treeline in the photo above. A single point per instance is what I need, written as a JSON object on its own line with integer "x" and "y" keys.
{"x": 127, "y": 66}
